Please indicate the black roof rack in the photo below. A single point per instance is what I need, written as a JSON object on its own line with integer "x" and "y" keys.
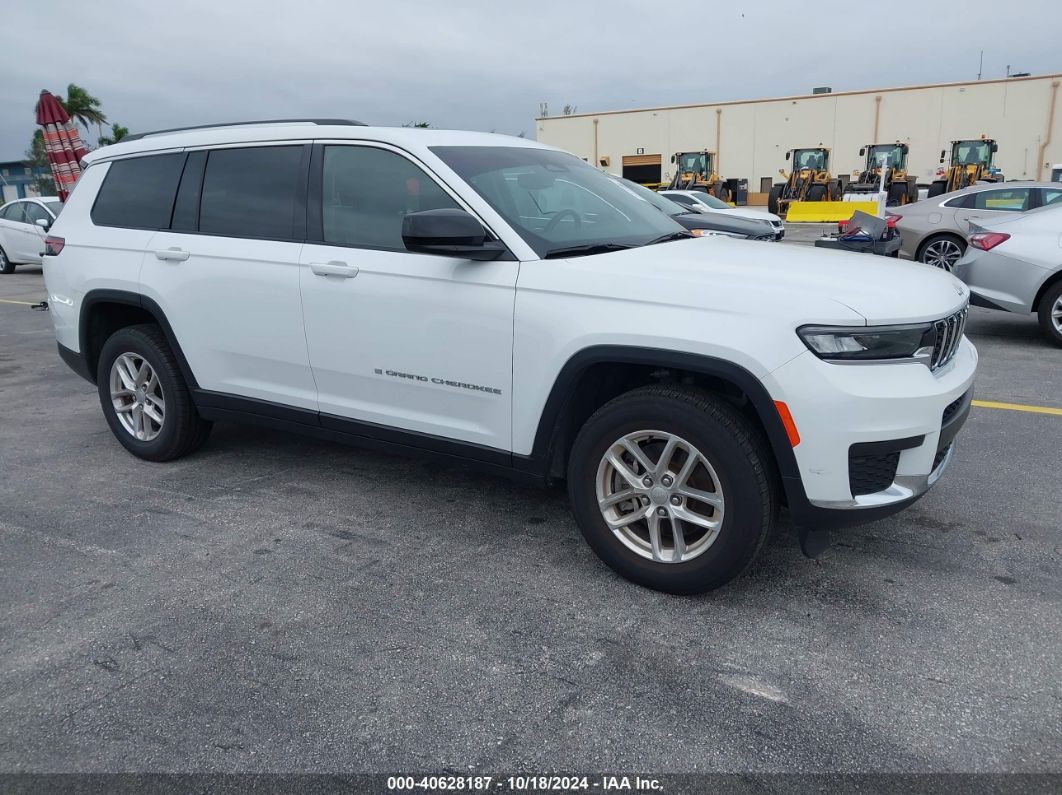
{"x": 330, "y": 122}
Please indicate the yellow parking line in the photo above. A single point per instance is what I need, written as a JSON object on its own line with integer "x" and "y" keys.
{"x": 990, "y": 404}
{"x": 21, "y": 303}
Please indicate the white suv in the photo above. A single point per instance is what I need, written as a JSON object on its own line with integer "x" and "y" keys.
{"x": 500, "y": 302}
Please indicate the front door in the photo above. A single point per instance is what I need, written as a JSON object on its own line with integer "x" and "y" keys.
{"x": 416, "y": 342}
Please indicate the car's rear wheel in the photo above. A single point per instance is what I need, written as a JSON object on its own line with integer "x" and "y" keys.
{"x": 672, "y": 488}
{"x": 144, "y": 397}
{"x": 1050, "y": 313}
{"x": 6, "y": 265}
{"x": 942, "y": 251}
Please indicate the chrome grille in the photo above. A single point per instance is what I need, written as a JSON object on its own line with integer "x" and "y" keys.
{"x": 949, "y": 335}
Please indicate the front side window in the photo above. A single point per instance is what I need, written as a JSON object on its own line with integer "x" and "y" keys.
{"x": 138, "y": 193}
{"x": 367, "y": 192}
{"x": 251, "y": 192}
{"x": 34, "y": 213}
{"x": 554, "y": 200}
{"x": 1015, "y": 200}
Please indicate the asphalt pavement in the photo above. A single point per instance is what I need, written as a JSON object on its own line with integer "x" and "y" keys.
{"x": 277, "y": 604}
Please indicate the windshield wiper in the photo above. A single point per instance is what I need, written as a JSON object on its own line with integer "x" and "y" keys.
{"x": 668, "y": 237}
{"x": 578, "y": 251}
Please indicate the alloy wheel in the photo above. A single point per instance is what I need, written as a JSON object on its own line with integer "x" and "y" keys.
{"x": 137, "y": 396}
{"x": 942, "y": 254}
{"x": 1056, "y": 315}
{"x": 660, "y": 496}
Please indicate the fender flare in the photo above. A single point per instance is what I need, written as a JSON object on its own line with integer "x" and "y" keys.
{"x": 129, "y": 298}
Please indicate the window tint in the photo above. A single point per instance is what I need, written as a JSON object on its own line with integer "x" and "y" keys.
{"x": 186, "y": 208}
{"x": 251, "y": 192}
{"x": 1008, "y": 199}
{"x": 1050, "y": 196}
{"x": 55, "y": 207}
{"x": 681, "y": 199}
{"x": 961, "y": 201}
{"x": 139, "y": 192}
{"x": 34, "y": 213}
{"x": 14, "y": 212}
{"x": 368, "y": 191}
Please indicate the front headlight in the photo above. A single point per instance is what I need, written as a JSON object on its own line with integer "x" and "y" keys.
{"x": 870, "y": 343}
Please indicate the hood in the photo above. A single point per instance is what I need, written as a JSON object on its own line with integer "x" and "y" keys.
{"x": 797, "y": 284}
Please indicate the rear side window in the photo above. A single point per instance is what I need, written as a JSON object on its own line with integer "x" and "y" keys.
{"x": 251, "y": 192}
{"x": 139, "y": 192}
{"x": 14, "y": 212}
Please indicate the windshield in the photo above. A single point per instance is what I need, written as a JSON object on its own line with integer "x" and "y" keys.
{"x": 697, "y": 162}
{"x": 711, "y": 201}
{"x": 662, "y": 203}
{"x": 810, "y": 159}
{"x": 970, "y": 153}
{"x": 895, "y": 156}
{"x": 554, "y": 200}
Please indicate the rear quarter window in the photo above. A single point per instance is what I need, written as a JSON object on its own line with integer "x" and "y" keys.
{"x": 138, "y": 193}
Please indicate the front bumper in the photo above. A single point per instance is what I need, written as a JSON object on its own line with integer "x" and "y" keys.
{"x": 905, "y": 411}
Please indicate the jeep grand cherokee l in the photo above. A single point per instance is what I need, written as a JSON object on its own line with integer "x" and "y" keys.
{"x": 501, "y": 302}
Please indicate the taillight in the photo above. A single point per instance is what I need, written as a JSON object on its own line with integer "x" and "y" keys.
{"x": 53, "y": 245}
{"x": 891, "y": 219}
{"x": 986, "y": 241}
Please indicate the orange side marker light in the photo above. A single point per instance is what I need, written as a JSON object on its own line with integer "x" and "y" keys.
{"x": 787, "y": 422}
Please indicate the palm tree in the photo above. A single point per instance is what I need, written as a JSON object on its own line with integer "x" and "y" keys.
{"x": 118, "y": 132}
{"x": 82, "y": 107}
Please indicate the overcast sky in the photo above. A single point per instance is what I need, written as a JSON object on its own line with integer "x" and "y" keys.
{"x": 485, "y": 64}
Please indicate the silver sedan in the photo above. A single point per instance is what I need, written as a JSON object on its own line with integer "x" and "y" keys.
{"x": 934, "y": 231}
{"x": 1015, "y": 264}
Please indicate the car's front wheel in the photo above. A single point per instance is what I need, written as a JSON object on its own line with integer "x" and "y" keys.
{"x": 672, "y": 488}
{"x": 942, "y": 251}
{"x": 1050, "y": 313}
{"x": 144, "y": 397}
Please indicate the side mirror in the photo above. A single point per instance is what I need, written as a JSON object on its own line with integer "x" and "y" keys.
{"x": 863, "y": 152}
{"x": 943, "y": 154}
{"x": 672, "y": 158}
{"x": 995, "y": 147}
{"x": 787, "y": 154}
{"x": 43, "y": 223}
{"x": 448, "y": 232}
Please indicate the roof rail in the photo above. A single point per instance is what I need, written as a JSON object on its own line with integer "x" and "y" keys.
{"x": 331, "y": 122}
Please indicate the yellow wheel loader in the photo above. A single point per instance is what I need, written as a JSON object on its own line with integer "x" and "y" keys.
{"x": 809, "y": 181}
{"x": 696, "y": 171}
{"x": 900, "y": 188}
{"x": 970, "y": 163}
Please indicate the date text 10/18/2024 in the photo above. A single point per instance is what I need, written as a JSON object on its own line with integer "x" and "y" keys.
{"x": 524, "y": 783}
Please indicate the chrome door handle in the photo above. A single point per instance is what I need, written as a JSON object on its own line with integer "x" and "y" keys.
{"x": 172, "y": 254}
{"x": 334, "y": 268}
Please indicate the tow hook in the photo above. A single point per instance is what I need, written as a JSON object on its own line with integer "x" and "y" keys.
{"x": 813, "y": 542}
{"x": 41, "y": 307}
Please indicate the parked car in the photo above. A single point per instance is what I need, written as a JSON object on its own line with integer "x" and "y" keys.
{"x": 701, "y": 202}
{"x": 23, "y": 223}
{"x": 492, "y": 300}
{"x": 934, "y": 231}
{"x": 700, "y": 224}
{"x": 1014, "y": 264}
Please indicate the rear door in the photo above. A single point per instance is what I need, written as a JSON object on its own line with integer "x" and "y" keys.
{"x": 226, "y": 274}
{"x": 19, "y": 237}
{"x": 994, "y": 203}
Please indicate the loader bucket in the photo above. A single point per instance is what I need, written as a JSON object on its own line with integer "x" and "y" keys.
{"x": 827, "y": 212}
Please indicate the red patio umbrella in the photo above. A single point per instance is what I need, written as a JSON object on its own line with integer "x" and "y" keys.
{"x": 62, "y": 143}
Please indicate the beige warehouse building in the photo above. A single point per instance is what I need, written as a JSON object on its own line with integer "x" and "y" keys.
{"x": 752, "y": 137}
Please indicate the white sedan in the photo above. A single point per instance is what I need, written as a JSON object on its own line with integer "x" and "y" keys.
{"x": 701, "y": 202}
{"x": 23, "y": 224}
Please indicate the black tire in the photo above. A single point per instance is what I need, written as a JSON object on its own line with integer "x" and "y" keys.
{"x": 816, "y": 193}
{"x": 937, "y": 188}
{"x": 897, "y": 191}
{"x": 772, "y": 199}
{"x": 1044, "y": 313}
{"x": 6, "y": 265}
{"x": 737, "y": 452}
{"x": 183, "y": 430}
{"x": 836, "y": 191}
{"x": 721, "y": 192}
{"x": 925, "y": 250}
